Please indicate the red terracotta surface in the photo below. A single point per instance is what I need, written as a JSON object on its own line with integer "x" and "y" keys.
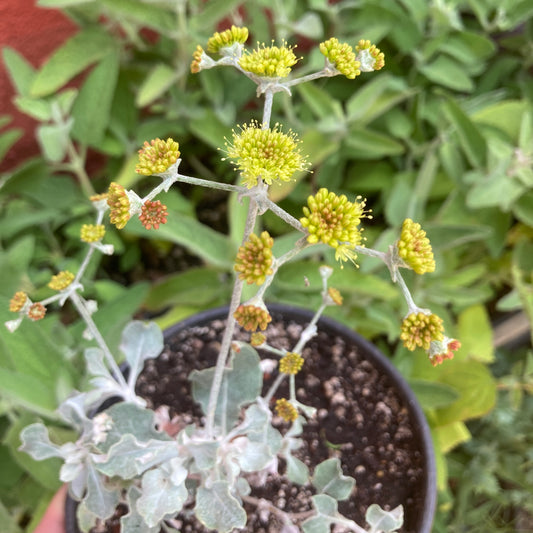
{"x": 34, "y": 32}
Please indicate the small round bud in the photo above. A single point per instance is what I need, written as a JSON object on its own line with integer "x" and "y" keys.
{"x": 269, "y": 61}
{"x": 291, "y": 363}
{"x": 341, "y": 56}
{"x": 251, "y": 317}
{"x": 153, "y": 214}
{"x": 119, "y": 205}
{"x": 420, "y": 329}
{"x": 156, "y": 156}
{"x": 61, "y": 281}
{"x": 92, "y": 232}
{"x": 36, "y": 311}
{"x": 414, "y": 248}
{"x": 286, "y": 410}
{"x": 254, "y": 258}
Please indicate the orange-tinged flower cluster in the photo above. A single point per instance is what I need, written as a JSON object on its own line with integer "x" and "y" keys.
{"x": 414, "y": 248}
{"x": 92, "y": 232}
{"x": 335, "y": 296}
{"x": 36, "y": 311}
{"x": 227, "y": 38}
{"x": 119, "y": 205}
{"x": 153, "y": 214}
{"x": 251, "y": 317}
{"x": 439, "y": 351}
{"x": 421, "y": 329}
{"x": 156, "y": 156}
{"x": 341, "y": 56}
{"x": 61, "y": 280}
{"x": 269, "y": 61}
{"x": 257, "y": 339}
{"x": 291, "y": 363}
{"x": 197, "y": 59}
{"x": 254, "y": 258}
{"x": 286, "y": 410}
{"x": 17, "y": 302}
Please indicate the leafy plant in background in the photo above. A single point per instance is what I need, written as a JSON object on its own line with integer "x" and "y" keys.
{"x": 420, "y": 142}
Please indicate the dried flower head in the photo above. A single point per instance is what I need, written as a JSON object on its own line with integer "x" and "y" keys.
{"x": 334, "y": 220}
{"x": 369, "y": 56}
{"x": 286, "y": 410}
{"x": 156, "y": 156}
{"x": 341, "y": 56}
{"x": 257, "y": 339}
{"x": 17, "y": 302}
{"x": 267, "y": 154}
{"x": 269, "y": 61}
{"x": 92, "y": 232}
{"x": 251, "y": 317}
{"x": 441, "y": 350}
{"x": 414, "y": 248}
{"x": 119, "y": 205}
{"x": 254, "y": 258}
{"x": 335, "y": 296}
{"x": 36, "y": 311}
{"x": 421, "y": 329}
{"x": 153, "y": 214}
{"x": 291, "y": 363}
{"x": 61, "y": 280}
{"x": 227, "y": 38}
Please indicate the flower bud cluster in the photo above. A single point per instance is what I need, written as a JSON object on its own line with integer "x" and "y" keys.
{"x": 414, "y": 248}
{"x": 341, "y": 56}
{"x": 254, "y": 258}
{"x": 252, "y": 317}
{"x": 421, "y": 329}
{"x": 156, "y": 156}
{"x": 286, "y": 410}
{"x": 291, "y": 363}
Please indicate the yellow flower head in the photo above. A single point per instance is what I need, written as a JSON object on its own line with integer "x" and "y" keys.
{"x": 414, "y": 248}
{"x": 157, "y": 156}
{"x": 17, "y": 302}
{"x": 369, "y": 56}
{"x": 269, "y": 61}
{"x": 286, "y": 410}
{"x": 257, "y": 339}
{"x": 335, "y": 296}
{"x": 341, "y": 56}
{"x": 268, "y": 154}
{"x": 92, "y": 232}
{"x": 334, "y": 220}
{"x": 61, "y": 281}
{"x": 226, "y": 39}
{"x": 291, "y": 363}
{"x": 254, "y": 258}
{"x": 98, "y": 197}
{"x": 119, "y": 205}
{"x": 197, "y": 59}
{"x": 36, "y": 311}
{"x": 442, "y": 350}
{"x": 421, "y": 329}
{"x": 251, "y": 317}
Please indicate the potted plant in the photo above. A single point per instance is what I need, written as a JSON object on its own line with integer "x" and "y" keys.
{"x": 175, "y": 467}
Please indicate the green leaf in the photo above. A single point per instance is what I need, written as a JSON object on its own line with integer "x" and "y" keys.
{"x": 83, "y": 49}
{"x": 448, "y": 73}
{"x": 217, "y": 509}
{"x": 20, "y": 71}
{"x": 63, "y": 3}
{"x": 448, "y": 236}
{"x": 523, "y": 208}
{"x": 475, "y": 333}
{"x": 53, "y": 140}
{"x": 146, "y": 15}
{"x": 329, "y": 479}
{"x": 451, "y": 435}
{"x": 320, "y": 102}
{"x": 8, "y": 139}
{"x": 471, "y": 140}
{"x": 38, "y": 109}
{"x": 506, "y": 116}
{"x": 92, "y": 108}
{"x": 213, "y": 12}
{"x": 368, "y": 144}
{"x": 159, "y": 79}
{"x": 432, "y": 394}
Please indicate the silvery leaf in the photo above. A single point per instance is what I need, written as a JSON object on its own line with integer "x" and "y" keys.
{"x": 297, "y": 471}
{"x": 133, "y": 522}
{"x": 74, "y": 409}
{"x": 36, "y": 442}
{"x": 326, "y": 512}
{"x": 98, "y": 499}
{"x": 254, "y": 457}
{"x": 329, "y": 479}
{"x": 85, "y": 518}
{"x": 384, "y": 521}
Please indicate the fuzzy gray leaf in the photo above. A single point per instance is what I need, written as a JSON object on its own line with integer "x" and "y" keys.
{"x": 217, "y": 509}
{"x": 297, "y": 471}
{"x": 329, "y": 479}
{"x": 36, "y": 442}
{"x": 384, "y": 521}
{"x": 73, "y": 410}
{"x": 254, "y": 456}
{"x": 99, "y": 499}
{"x": 326, "y": 509}
{"x": 133, "y": 522}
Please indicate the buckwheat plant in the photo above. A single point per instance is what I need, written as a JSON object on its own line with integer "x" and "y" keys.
{"x": 122, "y": 454}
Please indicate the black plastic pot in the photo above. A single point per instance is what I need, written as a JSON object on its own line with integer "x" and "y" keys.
{"x": 370, "y": 353}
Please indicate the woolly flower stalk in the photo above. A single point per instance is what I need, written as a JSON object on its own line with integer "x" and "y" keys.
{"x": 414, "y": 248}
{"x": 254, "y": 258}
{"x": 251, "y": 317}
{"x": 61, "y": 281}
{"x": 92, "y": 232}
{"x": 269, "y": 61}
{"x": 119, "y": 205}
{"x": 334, "y": 220}
{"x": 227, "y": 39}
{"x": 439, "y": 351}
{"x": 291, "y": 363}
{"x": 156, "y": 156}
{"x": 369, "y": 57}
{"x": 286, "y": 410}
{"x": 341, "y": 56}
{"x": 421, "y": 329}
{"x": 153, "y": 214}
{"x": 266, "y": 154}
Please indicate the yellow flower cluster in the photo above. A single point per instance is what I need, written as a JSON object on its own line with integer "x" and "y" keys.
{"x": 251, "y": 317}
{"x": 335, "y": 295}
{"x": 157, "y": 156}
{"x": 196, "y": 59}
{"x": 414, "y": 248}
{"x": 334, "y": 220}
{"x": 254, "y": 258}
{"x": 119, "y": 205}
{"x": 61, "y": 281}
{"x": 370, "y": 57}
{"x": 267, "y": 154}
{"x": 421, "y": 329}
{"x": 286, "y": 410}
{"x": 257, "y": 339}
{"x": 342, "y": 56}
{"x": 92, "y": 232}
{"x": 291, "y": 363}
{"x": 227, "y": 38}
{"x": 269, "y": 61}
{"x": 17, "y": 302}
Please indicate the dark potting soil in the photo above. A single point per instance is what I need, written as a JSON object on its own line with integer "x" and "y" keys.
{"x": 360, "y": 419}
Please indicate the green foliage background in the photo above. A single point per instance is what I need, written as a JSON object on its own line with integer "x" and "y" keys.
{"x": 444, "y": 135}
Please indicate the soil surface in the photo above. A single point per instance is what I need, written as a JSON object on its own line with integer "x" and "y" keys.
{"x": 360, "y": 419}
